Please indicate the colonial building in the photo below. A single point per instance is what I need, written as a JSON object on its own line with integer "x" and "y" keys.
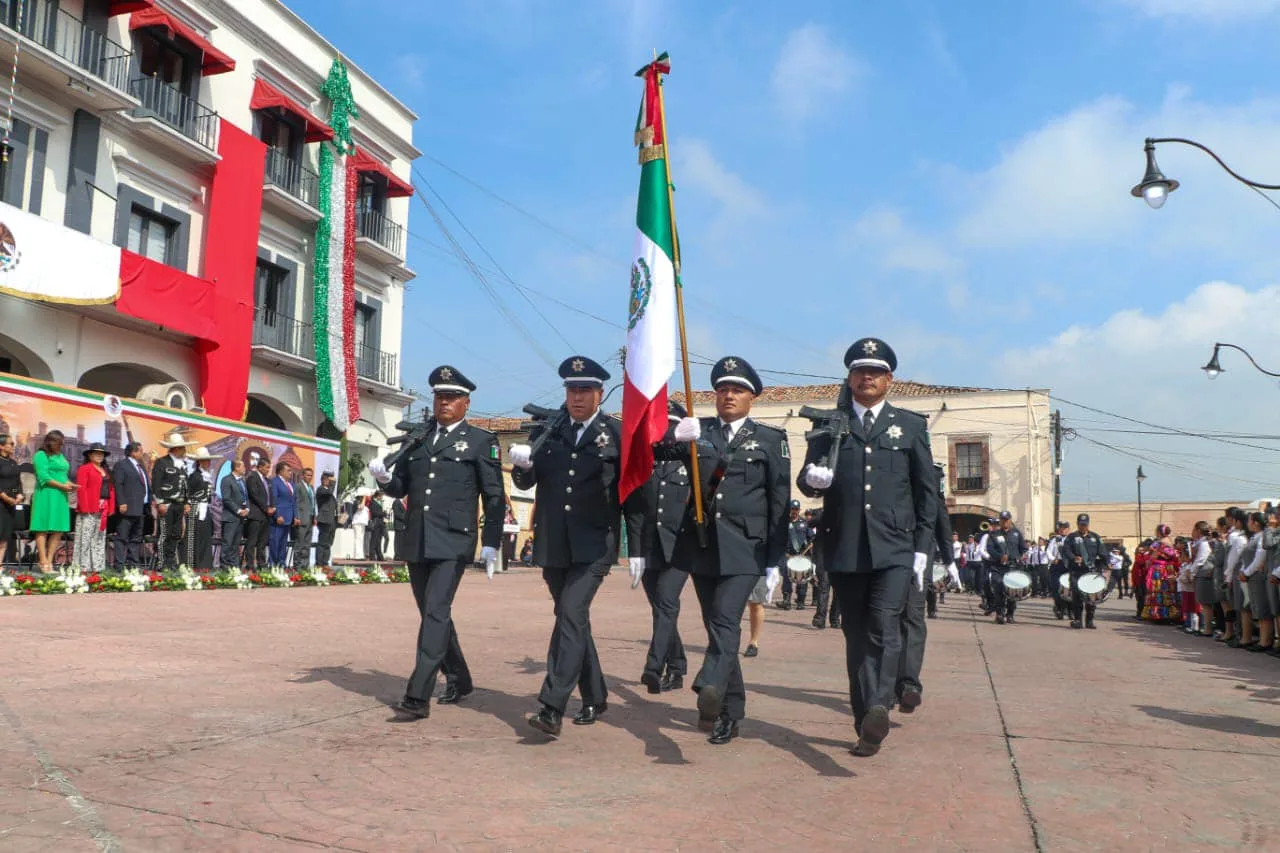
{"x": 134, "y": 122}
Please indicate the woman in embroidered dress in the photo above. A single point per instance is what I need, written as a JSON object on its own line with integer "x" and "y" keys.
{"x": 1162, "y": 603}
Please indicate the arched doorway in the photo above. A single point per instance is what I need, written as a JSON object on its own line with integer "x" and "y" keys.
{"x": 967, "y": 519}
{"x": 264, "y": 411}
{"x": 124, "y": 380}
{"x": 20, "y": 361}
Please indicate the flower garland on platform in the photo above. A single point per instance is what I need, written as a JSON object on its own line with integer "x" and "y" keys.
{"x": 72, "y": 581}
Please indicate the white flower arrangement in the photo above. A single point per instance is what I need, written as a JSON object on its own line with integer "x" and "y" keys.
{"x": 190, "y": 580}
{"x": 8, "y": 586}
{"x": 315, "y": 575}
{"x": 346, "y": 574}
{"x": 379, "y": 574}
{"x": 241, "y": 579}
{"x": 280, "y": 576}
{"x": 73, "y": 580}
{"x": 138, "y": 582}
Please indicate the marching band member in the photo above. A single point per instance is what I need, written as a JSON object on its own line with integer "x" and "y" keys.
{"x": 1083, "y": 552}
{"x": 1006, "y": 547}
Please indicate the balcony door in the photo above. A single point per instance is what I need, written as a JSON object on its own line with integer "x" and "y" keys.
{"x": 284, "y": 139}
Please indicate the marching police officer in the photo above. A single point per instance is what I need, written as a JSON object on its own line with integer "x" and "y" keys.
{"x": 799, "y": 543}
{"x": 1057, "y": 568}
{"x": 915, "y": 631}
{"x": 169, "y": 482}
{"x": 452, "y": 466}
{"x": 1005, "y": 547}
{"x": 664, "y": 497}
{"x": 1083, "y": 552}
{"x": 575, "y": 523}
{"x": 879, "y": 510}
{"x": 745, "y": 472}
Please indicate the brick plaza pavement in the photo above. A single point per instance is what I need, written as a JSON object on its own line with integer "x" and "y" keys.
{"x": 256, "y": 721}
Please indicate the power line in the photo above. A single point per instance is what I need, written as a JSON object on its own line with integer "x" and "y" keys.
{"x": 1174, "y": 430}
{"x": 1192, "y": 473}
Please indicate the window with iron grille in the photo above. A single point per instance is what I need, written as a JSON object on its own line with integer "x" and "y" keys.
{"x": 969, "y": 469}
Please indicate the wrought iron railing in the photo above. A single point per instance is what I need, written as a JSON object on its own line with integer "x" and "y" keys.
{"x": 379, "y": 228}
{"x": 184, "y": 114}
{"x": 291, "y": 176}
{"x": 284, "y": 333}
{"x": 70, "y": 38}
{"x": 376, "y": 365}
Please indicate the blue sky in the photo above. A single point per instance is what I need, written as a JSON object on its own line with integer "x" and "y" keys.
{"x": 951, "y": 177}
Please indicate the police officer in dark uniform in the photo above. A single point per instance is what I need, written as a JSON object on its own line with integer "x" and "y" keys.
{"x": 745, "y": 471}
{"x": 664, "y": 497}
{"x": 908, "y": 689}
{"x": 169, "y": 484}
{"x": 1083, "y": 552}
{"x": 1005, "y": 547}
{"x": 1057, "y": 568}
{"x": 575, "y": 524}
{"x": 799, "y": 543}
{"x": 879, "y": 510}
{"x": 444, "y": 474}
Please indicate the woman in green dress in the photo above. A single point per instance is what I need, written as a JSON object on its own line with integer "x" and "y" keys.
{"x": 50, "y": 507}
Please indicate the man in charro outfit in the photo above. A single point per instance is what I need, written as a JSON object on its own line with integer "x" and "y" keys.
{"x": 170, "y": 486}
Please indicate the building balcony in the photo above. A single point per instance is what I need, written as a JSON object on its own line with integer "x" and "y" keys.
{"x": 291, "y": 187}
{"x": 378, "y": 237}
{"x": 61, "y": 50}
{"x": 181, "y": 123}
{"x": 377, "y": 366}
{"x": 284, "y": 342}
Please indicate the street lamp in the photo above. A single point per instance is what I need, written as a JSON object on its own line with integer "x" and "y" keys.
{"x": 1214, "y": 368}
{"x": 1155, "y": 187}
{"x": 1141, "y": 477}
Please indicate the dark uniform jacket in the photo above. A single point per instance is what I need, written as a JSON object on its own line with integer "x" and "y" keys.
{"x": 1089, "y": 547}
{"x": 443, "y": 483}
{"x": 746, "y": 510}
{"x": 798, "y": 536}
{"x": 942, "y": 535}
{"x": 326, "y": 506}
{"x": 664, "y": 498}
{"x": 397, "y": 516}
{"x": 198, "y": 490}
{"x": 885, "y": 488}
{"x": 1005, "y": 548}
{"x": 576, "y": 516}
{"x": 169, "y": 480}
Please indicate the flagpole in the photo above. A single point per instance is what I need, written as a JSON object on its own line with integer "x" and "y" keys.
{"x": 696, "y": 479}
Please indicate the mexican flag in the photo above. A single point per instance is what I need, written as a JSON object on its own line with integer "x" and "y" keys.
{"x": 651, "y": 322}
{"x": 333, "y": 317}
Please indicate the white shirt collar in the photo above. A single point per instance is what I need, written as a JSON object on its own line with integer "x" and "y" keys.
{"x": 589, "y": 421}
{"x": 448, "y": 429}
{"x": 734, "y": 426}
{"x": 861, "y": 410}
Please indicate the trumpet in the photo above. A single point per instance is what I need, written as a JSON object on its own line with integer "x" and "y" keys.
{"x": 984, "y": 526}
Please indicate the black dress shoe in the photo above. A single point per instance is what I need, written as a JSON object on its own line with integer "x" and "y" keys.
{"x": 651, "y": 682}
{"x": 909, "y": 701}
{"x": 752, "y": 651}
{"x": 835, "y": 623}
{"x": 799, "y": 605}
{"x": 819, "y": 623}
{"x": 724, "y": 730}
{"x": 710, "y": 704}
{"x": 932, "y": 614}
{"x": 414, "y": 707}
{"x": 872, "y": 732}
{"x": 548, "y": 720}
{"x": 784, "y": 604}
{"x": 453, "y": 694}
{"x": 589, "y": 714}
{"x": 999, "y": 618}
{"x": 1075, "y": 623}
{"x": 1009, "y": 619}
{"x": 672, "y": 681}
{"x": 1088, "y": 623}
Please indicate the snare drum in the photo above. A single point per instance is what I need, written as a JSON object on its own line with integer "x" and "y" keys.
{"x": 1064, "y": 586}
{"x": 799, "y": 569}
{"x": 1093, "y": 587}
{"x": 1017, "y": 585}
{"x": 938, "y": 577}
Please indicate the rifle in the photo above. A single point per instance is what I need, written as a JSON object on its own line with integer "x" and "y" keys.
{"x": 551, "y": 421}
{"x": 830, "y": 422}
{"x": 411, "y": 435}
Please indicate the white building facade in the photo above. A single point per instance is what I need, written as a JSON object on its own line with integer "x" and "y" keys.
{"x": 117, "y": 113}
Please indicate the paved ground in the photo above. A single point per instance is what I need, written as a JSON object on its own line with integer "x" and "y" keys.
{"x": 256, "y": 721}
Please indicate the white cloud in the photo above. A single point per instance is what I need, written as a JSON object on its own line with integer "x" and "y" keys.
{"x": 883, "y": 233}
{"x": 812, "y": 73}
{"x": 699, "y": 169}
{"x": 1145, "y": 363}
{"x": 410, "y": 71}
{"x": 1205, "y": 10}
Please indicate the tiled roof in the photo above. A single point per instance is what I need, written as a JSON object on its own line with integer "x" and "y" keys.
{"x": 808, "y": 393}
{"x": 498, "y": 425}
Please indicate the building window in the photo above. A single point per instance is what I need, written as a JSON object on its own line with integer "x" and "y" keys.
{"x": 161, "y": 60}
{"x": 151, "y": 235}
{"x": 278, "y": 133}
{"x": 269, "y": 288}
{"x": 970, "y": 466}
{"x": 364, "y": 326}
{"x": 373, "y": 192}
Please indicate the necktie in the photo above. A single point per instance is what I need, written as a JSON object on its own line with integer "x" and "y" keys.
{"x": 727, "y": 429}
{"x": 578, "y": 429}
{"x": 868, "y": 421}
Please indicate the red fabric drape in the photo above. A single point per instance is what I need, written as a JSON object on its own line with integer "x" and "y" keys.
{"x": 396, "y": 187}
{"x": 215, "y": 61}
{"x": 230, "y": 260}
{"x": 124, "y": 7}
{"x": 266, "y": 96}
{"x": 167, "y": 296}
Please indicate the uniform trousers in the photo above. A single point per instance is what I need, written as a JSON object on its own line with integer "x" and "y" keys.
{"x": 232, "y": 531}
{"x": 170, "y": 520}
{"x": 823, "y": 601}
{"x": 1060, "y": 604}
{"x": 1078, "y": 605}
{"x": 279, "y": 539}
{"x": 435, "y": 582}
{"x": 914, "y": 633}
{"x": 1040, "y": 579}
{"x": 128, "y": 546}
{"x": 871, "y": 606}
{"x": 324, "y": 544}
{"x": 666, "y": 651}
{"x": 984, "y": 585}
{"x": 1000, "y": 601}
{"x": 255, "y": 543}
{"x": 801, "y": 589}
{"x": 723, "y": 598}
{"x": 301, "y": 541}
{"x": 571, "y": 655}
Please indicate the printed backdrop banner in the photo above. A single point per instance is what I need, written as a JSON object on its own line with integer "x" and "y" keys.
{"x": 42, "y": 260}
{"x": 29, "y": 409}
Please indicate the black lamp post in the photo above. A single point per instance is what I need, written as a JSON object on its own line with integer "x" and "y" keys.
{"x": 1141, "y": 477}
{"x": 1155, "y": 187}
{"x": 1214, "y": 368}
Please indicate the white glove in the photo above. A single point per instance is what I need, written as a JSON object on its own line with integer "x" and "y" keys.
{"x": 819, "y": 477}
{"x": 772, "y": 577}
{"x": 489, "y": 555}
{"x": 688, "y": 429}
{"x": 379, "y": 471}
{"x": 637, "y": 570}
{"x": 953, "y": 573}
{"x": 921, "y": 563}
{"x": 522, "y": 456}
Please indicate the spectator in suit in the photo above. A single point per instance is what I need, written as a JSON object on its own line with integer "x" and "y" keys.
{"x": 377, "y": 527}
{"x": 286, "y": 515}
{"x": 305, "y": 497}
{"x": 261, "y": 509}
{"x": 235, "y": 512}
{"x": 133, "y": 504}
{"x": 326, "y": 518}
{"x": 398, "y": 510}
